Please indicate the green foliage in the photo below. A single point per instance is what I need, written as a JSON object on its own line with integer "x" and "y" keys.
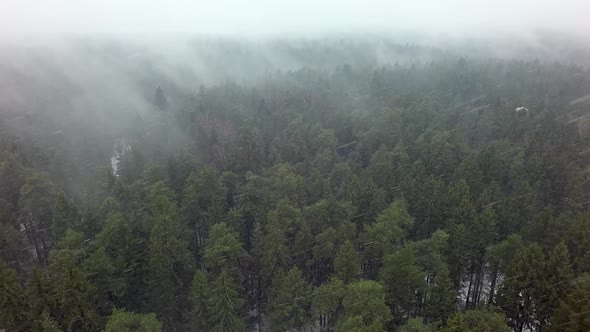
{"x": 381, "y": 167}
{"x": 328, "y": 213}
{"x": 223, "y": 250}
{"x": 403, "y": 278}
{"x": 358, "y": 324}
{"x": 108, "y": 206}
{"x": 578, "y": 243}
{"x": 200, "y": 298}
{"x": 364, "y": 308}
{"x": 107, "y": 265}
{"x": 72, "y": 297}
{"x": 43, "y": 299}
{"x": 65, "y": 216}
{"x": 415, "y": 325}
{"x": 441, "y": 301}
{"x": 35, "y": 207}
{"x": 289, "y": 303}
{"x": 572, "y": 312}
{"x": 169, "y": 265}
{"x": 47, "y": 323}
{"x": 14, "y": 308}
{"x": 337, "y": 197}
{"x": 347, "y": 263}
{"x": 389, "y": 229}
{"x": 536, "y": 285}
{"x": 522, "y": 292}
{"x": 475, "y": 321}
{"x": 13, "y": 243}
{"x": 278, "y": 242}
{"x": 285, "y": 183}
{"x": 202, "y": 203}
{"x": 225, "y": 306}
{"x": 461, "y": 207}
{"x": 327, "y": 298}
{"x": 124, "y": 321}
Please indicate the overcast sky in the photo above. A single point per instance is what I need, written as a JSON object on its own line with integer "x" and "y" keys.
{"x": 42, "y": 18}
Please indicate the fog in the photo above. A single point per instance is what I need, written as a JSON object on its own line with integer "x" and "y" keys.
{"x": 94, "y": 65}
{"x": 69, "y": 50}
{"x": 284, "y": 146}
{"x": 54, "y": 18}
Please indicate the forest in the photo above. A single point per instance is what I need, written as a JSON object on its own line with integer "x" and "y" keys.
{"x": 431, "y": 190}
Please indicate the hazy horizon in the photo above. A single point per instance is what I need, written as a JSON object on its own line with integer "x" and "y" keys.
{"x": 27, "y": 20}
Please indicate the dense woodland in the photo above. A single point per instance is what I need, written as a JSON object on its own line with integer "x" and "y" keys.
{"x": 448, "y": 194}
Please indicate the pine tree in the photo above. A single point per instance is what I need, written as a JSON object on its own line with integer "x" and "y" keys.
{"x": 441, "y": 301}
{"x": 200, "y": 297}
{"x": 123, "y": 321}
{"x": 324, "y": 251}
{"x": 73, "y": 294}
{"x": 46, "y": 323}
{"x": 202, "y": 205}
{"x": 226, "y": 306}
{"x": 252, "y": 198}
{"x": 572, "y": 313}
{"x": 65, "y": 216}
{"x": 327, "y": 302}
{"x": 301, "y": 255}
{"x": 257, "y": 279}
{"x": 481, "y": 235}
{"x": 387, "y": 232}
{"x": 347, "y": 263}
{"x": 501, "y": 255}
{"x": 13, "y": 244}
{"x": 381, "y": 167}
{"x": 14, "y": 307}
{"x": 366, "y": 197}
{"x": 456, "y": 323}
{"x": 416, "y": 325}
{"x": 404, "y": 279}
{"x": 578, "y": 243}
{"x": 169, "y": 265}
{"x": 35, "y": 207}
{"x": 556, "y": 281}
{"x": 289, "y": 305}
{"x": 286, "y": 184}
{"x": 223, "y": 251}
{"x": 522, "y": 292}
{"x": 364, "y": 308}
{"x": 42, "y": 299}
{"x": 357, "y": 324}
{"x": 460, "y": 203}
{"x": 476, "y": 321}
{"x": 108, "y": 264}
{"x": 457, "y": 253}
{"x": 278, "y": 242}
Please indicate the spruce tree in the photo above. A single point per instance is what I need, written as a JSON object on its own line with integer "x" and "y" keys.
{"x": 14, "y": 307}
{"x": 347, "y": 263}
{"x": 289, "y": 304}
{"x": 226, "y": 305}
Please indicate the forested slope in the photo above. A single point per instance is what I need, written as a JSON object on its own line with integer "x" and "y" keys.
{"x": 447, "y": 194}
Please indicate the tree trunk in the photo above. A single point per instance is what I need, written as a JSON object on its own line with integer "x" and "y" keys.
{"x": 469, "y": 292}
{"x": 494, "y": 277}
{"x": 477, "y": 288}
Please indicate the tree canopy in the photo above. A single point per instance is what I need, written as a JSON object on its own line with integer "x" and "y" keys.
{"x": 418, "y": 195}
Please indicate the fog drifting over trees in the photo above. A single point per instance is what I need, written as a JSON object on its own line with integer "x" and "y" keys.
{"x": 326, "y": 166}
{"x": 268, "y": 18}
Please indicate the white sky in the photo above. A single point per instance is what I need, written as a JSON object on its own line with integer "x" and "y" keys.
{"x": 41, "y": 18}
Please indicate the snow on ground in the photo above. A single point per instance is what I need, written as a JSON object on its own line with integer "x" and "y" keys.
{"x": 119, "y": 149}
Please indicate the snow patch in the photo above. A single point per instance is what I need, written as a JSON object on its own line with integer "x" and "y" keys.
{"x": 120, "y": 148}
